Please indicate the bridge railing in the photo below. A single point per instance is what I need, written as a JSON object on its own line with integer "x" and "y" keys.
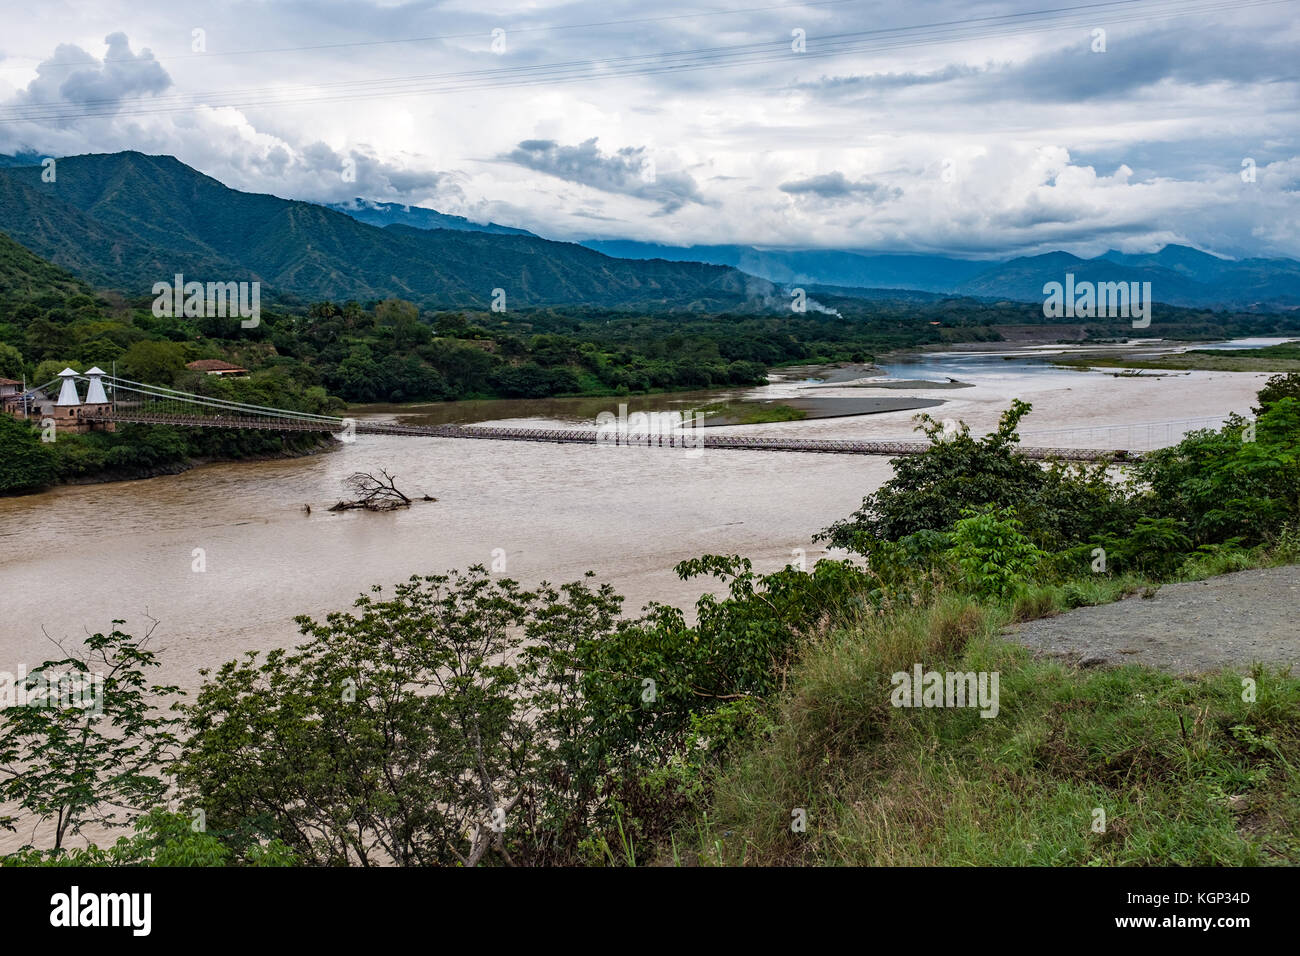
{"x": 1139, "y": 435}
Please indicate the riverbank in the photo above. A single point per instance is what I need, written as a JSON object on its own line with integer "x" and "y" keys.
{"x": 125, "y": 471}
{"x": 324, "y": 443}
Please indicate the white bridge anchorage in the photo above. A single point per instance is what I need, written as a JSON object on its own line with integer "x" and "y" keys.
{"x": 111, "y": 400}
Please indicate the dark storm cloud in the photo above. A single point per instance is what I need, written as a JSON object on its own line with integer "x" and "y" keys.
{"x": 630, "y": 171}
{"x": 1133, "y": 63}
{"x": 358, "y": 172}
{"x": 878, "y": 82}
{"x": 1076, "y": 73}
{"x": 838, "y": 186}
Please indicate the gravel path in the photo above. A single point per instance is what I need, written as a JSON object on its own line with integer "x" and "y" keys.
{"x": 1225, "y": 622}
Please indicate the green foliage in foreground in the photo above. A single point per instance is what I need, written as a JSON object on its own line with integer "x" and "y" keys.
{"x": 996, "y": 558}
{"x": 463, "y": 720}
{"x": 1278, "y": 387}
{"x": 1057, "y": 506}
{"x": 1125, "y": 766}
{"x": 1236, "y": 486}
{"x": 1178, "y": 772}
{"x": 81, "y": 736}
{"x": 160, "y": 838}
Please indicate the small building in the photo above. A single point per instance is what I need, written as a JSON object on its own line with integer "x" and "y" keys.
{"x": 11, "y": 396}
{"x": 215, "y": 367}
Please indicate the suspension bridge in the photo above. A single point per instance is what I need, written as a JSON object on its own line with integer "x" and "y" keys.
{"x": 111, "y": 400}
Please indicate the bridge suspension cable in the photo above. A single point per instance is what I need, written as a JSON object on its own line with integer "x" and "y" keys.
{"x": 162, "y": 393}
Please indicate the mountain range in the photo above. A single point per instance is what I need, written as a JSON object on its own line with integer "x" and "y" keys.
{"x": 1179, "y": 275}
{"x": 395, "y": 214}
{"x": 127, "y": 220}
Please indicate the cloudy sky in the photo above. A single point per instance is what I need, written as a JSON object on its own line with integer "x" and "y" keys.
{"x": 965, "y": 127}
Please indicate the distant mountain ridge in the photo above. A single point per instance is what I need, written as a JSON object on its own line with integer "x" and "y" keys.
{"x": 21, "y": 159}
{"x": 126, "y": 221}
{"x": 419, "y": 217}
{"x": 1179, "y": 275}
{"x": 810, "y": 266}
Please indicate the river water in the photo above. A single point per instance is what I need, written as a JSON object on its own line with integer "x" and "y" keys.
{"x": 75, "y": 558}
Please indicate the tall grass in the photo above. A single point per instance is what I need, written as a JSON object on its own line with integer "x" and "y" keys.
{"x": 1185, "y": 772}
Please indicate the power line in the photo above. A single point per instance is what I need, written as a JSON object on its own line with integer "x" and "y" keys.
{"x": 458, "y": 36}
{"x": 739, "y": 49}
{"x": 643, "y": 64}
{"x": 833, "y": 44}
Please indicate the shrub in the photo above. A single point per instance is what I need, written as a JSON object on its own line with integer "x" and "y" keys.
{"x": 1242, "y": 481}
{"x": 1057, "y": 506}
{"x": 996, "y": 558}
{"x": 1276, "y": 388}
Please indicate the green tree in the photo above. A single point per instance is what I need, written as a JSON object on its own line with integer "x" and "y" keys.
{"x": 396, "y": 733}
{"x": 738, "y": 650}
{"x": 11, "y": 362}
{"x": 49, "y": 369}
{"x": 86, "y": 740}
{"x": 1278, "y": 387}
{"x": 1056, "y": 506}
{"x": 997, "y": 559}
{"x": 1242, "y": 481}
{"x": 153, "y": 362}
{"x": 403, "y": 319}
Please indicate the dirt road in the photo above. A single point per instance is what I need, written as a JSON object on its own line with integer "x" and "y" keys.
{"x": 1225, "y": 622}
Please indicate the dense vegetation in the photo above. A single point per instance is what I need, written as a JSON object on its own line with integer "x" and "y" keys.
{"x": 459, "y": 719}
{"x": 321, "y": 357}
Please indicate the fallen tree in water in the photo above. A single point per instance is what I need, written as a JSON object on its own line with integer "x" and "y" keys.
{"x": 375, "y": 493}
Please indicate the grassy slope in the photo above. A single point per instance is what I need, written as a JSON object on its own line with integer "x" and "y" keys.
{"x": 1186, "y": 772}
{"x": 24, "y": 275}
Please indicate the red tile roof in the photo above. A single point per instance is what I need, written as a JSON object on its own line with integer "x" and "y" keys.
{"x": 9, "y": 381}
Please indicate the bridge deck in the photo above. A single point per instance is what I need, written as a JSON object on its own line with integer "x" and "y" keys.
{"x": 588, "y": 436}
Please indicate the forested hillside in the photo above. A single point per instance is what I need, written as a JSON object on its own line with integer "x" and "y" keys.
{"x": 125, "y": 221}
